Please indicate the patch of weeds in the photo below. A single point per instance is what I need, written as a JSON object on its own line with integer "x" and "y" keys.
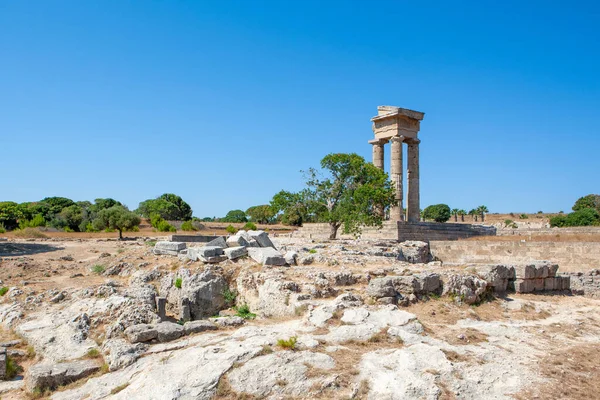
{"x": 92, "y": 353}
{"x": 300, "y": 310}
{"x": 363, "y": 390}
{"x": 104, "y": 368}
{"x": 178, "y": 283}
{"x": 98, "y": 269}
{"x": 266, "y": 349}
{"x": 229, "y": 296}
{"x": 30, "y": 233}
{"x": 289, "y": 344}
{"x": 312, "y": 251}
{"x": 281, "y": 382}
{"x": 119, "y": 388}
{"x": 12, "y": 368}
{"x": 244, "y": 312}
{"x": 3, "y": 290}
{"x": 151, "y": 243}
{"x": 30, "y": 352}
{"x": 38, "y": 393}
{"x": 434, "y": 296}
{"x": 120, "y": 250}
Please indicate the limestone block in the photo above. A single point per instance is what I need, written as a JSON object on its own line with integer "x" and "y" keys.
{"x": 213, "y": 259}
{"x": 538, "y": 284}
{"x": 381, "y": 287}
{"x": 228, "y": 321}
{"x": 291, "y": 257}
{"x": 550, "y": 283}
{"x": 168, "y": 248}
{"x": 266, "y": 256}
{"x": 235, "y": 252}
{"x": 524, "y": 285}
{"x": 50, "y": 376}
{"x": 2, "y": 363}
{"x": 414, "y": 252}
{"x": 168, "y": 331}
{"x": 563, "y": 282}
{"x": 262, "y": 238}
{"x": 237, "y": 241}
{"x": 525, "y": 272}
{"x": 218, "y": 242}
{"x": 428, "y": 282}
{"x": 552, "y": 269}
{"x": 496, "y": 276}
{"x": 141, "y": 333}
{"x": 541, "y": 271}
{"x": 198, "y": 326}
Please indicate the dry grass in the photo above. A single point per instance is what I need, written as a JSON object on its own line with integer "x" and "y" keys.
{"x": 225, "y": 391}
{"x": 573, "y": 373}
{"x": 29, "y": 233}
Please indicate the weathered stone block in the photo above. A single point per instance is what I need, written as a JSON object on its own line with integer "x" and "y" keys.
{"x": 213, "y": 259}
{"x": 541, "y": 271}
{"x": 524, "y": 285}
{"x": 381, "y": 287}
{"x": 291, "y": 257}
{"x": 218, "y": 242}
{"x": 262, "y": 238}
{"x": 525, "y": 271}
{"x": 550, "y": 283}
{"x": 235, "y": 252}
{"x": 50, "y": 376}
{"x": 552, "y": 269}
{"x": 168, "y": 248}
{"x": 141, "y": 333}
{"x": 414, "y": 252}
{"x": 266, "y": 256}
{"x": 2, "y": 363}
{"x": 538, "y": 284}
{"x": 198, "y": 326}
{"x": 168, "y": 331}
{"x": 236, "y": 241}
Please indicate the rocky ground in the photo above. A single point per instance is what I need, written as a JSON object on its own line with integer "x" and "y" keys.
{"x": 354, "y": 319}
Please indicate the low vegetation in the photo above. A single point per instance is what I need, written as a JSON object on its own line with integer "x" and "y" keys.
{"x": 98, "y": 269}
{"x": 288, "y": 344}
{"x": 244, "y": 312}
{"x": 178, "y": 283}
{"x": 3, "y": 290}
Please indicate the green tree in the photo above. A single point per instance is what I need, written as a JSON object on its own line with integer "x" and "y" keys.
{"x": 262, "y": 214}
{"x": 589, "y": 201}
{"x": 293, "y": 208}
{"x": 10, "y": 213}
{"x": 235, "y": 216}
{"x": 55, "y": 205}
{"x": 352, "y": 193}
{"x": 116, "y": 217}
{"x": 169, "y": 206}
{"x": 454, "y": 212}
{"x": 437, "y": 212}
{"x": 462, "y": 214}
{"x": 473, "y": 213}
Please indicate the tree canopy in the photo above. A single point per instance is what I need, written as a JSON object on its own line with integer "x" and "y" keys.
{"x": 438, "y": 212}
{"x": 348, "y": 192}
{"x": 116, "y": 217}
{"x": 262, "y": 214}
{"x": 589, "y": 201}
{"x": 168, "y": 206}
{"x": 235, "y": 216}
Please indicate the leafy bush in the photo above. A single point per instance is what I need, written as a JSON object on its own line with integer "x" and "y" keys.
{"x": 235, "y": 216}
{"x": 151, "y": 243}
{"x": 36, "y": 221}
{"x": 249, "y": 226}
{"x": 583, "y": 217}
{"x": 164, "y": 226}
{"x": 2, "y": 228}
{"x": 244, "y": 312}
{"x": 98, "y": 269}
{"x": 3, "y": 290}
{"x": 289, "y": 344}
{"x": 231, "y": 229}
{"x": 168, "y": 206}
{"x": 12, "y": 368}
{"x": 523, "y": 216}
{"x": 188, "y": 226}
{"x": 437, "y": 212}
{"x": 313, "y": 251}
{"x": 92, "y": 353}
{"x": 178, "y": 283}
{"x": 230, "y": 296}
{"x": 589, "y": 201}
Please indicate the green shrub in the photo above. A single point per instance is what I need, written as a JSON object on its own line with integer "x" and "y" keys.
{"x": 244, "y": 312}
{"x": 437, "y": 212}
{"x": 229, "y": 296}
{"x": 164, "y": 226}
{"x": 151, "y": 243}
{"x": 583, "y": 217}
{"x": 249, "y": 226}
{"x": 289, "y": 344}
{"x": 3, "y": 290}
{"x": 92, "y": 353}
{"x": 523, "y": 216}
{"x": 231, "y": 229}
{"x": 187, "y": 226}
{"x": 98, "y": 269}
{"x": 12, "y": 368}
{"x": 178, "y": 283}
{"x": 2, "y": 228}
{"x": 313, "y": 251}
{"x": 89, "y": 227}
{"x": 67, "y": 229}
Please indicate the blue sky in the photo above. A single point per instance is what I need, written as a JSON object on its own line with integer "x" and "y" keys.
{"x": 224, "y": 102}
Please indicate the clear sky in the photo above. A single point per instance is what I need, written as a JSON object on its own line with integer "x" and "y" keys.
{"x": 224, "y": 102}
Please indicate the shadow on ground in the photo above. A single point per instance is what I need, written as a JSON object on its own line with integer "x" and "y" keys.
{"x": 25, "y": 249}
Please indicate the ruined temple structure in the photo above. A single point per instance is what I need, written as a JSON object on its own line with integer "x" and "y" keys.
{"x": 399, "y": 125}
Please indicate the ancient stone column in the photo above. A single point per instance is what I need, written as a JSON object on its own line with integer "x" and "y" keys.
{"x": 396, "y": 212}
{"x": 414, "y": 206}
{"x": 161, "y": 305}
{"x": 377, "y": 152}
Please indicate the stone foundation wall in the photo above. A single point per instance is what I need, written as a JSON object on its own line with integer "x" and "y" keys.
{"x": 571, "y": 256}
{"x": 428, "y": 231}
{"x": 321, "y": 231}
{"x": 586, "y": 283}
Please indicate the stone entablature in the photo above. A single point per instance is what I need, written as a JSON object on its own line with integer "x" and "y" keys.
{"x": 399, "y": 125}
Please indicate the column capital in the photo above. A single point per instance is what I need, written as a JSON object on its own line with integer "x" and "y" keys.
{"x": 414, "y": 141}
{"x": 398, "y": 139}
{"x": 376, "y": 142}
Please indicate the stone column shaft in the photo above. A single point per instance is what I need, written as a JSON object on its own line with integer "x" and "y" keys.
{"x": 396, "y": 212}
{"x": 377, "y": 153}
{"x": 414, "y": 206}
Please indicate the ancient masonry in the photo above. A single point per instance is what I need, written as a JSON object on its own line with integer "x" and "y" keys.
{"x": 399, "y": 125}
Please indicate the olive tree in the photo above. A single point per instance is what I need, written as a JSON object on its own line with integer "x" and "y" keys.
{"x": 437, "y": 212}
{"x": 116, "y": 217}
